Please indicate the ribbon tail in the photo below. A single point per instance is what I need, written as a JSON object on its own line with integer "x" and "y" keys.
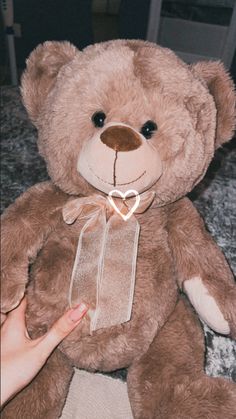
{"x": 133, "y": 272}
{"x": 117, "y": 279}
{"x": 94, "y": 319}
{"x": 85, "y": 271}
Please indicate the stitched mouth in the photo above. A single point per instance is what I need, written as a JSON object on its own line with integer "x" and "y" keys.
{"x": 117, "y": 184}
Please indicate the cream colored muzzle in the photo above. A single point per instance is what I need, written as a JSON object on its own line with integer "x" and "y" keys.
{"x": 118, "y": 156}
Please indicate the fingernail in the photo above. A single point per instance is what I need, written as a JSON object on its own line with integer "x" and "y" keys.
{"x": 78, "y": 312}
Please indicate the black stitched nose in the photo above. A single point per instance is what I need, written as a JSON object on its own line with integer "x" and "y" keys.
{"x": 121, "y": 138}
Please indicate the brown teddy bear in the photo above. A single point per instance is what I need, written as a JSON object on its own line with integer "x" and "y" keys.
{"x": 127, "y": 130}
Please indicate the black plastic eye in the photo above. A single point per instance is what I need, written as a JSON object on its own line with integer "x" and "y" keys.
{"x": 98, "y": 119}
{"x": 148, "y": 128}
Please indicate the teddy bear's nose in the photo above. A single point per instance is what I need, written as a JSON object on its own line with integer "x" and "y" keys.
{"x": 121, "y": 138}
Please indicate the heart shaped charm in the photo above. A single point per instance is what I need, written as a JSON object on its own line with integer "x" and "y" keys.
{"x": 124, "y": 196}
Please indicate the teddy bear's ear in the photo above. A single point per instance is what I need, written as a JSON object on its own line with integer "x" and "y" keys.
{"x": 42, "y": 68}
{"x": 222, "y": 89}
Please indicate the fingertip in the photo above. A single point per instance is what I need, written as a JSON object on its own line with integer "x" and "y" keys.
{"x": 70, "y": 320}
{"x": 63, "y": 326}
{"x": 77, "y": 313}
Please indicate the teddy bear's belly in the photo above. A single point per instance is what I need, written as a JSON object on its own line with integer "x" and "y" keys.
{"x": 104, "y": 349}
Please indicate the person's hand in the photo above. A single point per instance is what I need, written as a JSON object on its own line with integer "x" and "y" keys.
{"x": 21, "y": 357}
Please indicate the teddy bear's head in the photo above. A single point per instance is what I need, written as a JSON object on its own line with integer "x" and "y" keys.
{"x": 126, "y": 115}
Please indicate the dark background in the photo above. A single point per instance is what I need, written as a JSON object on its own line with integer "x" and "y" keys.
{"x": 81, "y": 23}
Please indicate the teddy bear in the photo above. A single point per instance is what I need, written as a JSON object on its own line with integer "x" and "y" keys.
{"x": 127, "y": 130}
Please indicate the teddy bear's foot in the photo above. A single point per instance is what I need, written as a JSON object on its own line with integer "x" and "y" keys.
{"x": 45, "y": 396}
{"x": 203, "y": 397}
{"x": 169, "y": 380}
{"x": 192, "y": 398}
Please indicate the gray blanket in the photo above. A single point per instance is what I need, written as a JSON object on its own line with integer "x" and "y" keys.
{"x": 215, "y": 198}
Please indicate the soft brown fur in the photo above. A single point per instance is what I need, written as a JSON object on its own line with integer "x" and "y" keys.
{"x": 194, "y": 108}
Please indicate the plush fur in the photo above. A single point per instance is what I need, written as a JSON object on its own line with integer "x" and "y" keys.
{"x": 194, "y": 108}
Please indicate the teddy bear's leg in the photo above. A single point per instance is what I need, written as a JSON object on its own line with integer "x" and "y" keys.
{"x": 45, "y": 396}
{"x": 169, "y": 380}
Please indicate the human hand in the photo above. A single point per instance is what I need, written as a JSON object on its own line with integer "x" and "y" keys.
{"x": 21, "y": 357}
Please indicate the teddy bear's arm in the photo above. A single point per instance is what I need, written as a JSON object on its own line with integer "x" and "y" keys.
{"x": 202, "y": 271}
{"x": 24, "y": 227}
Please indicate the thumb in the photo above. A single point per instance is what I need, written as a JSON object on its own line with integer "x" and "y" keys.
{"x": 62, "y": 328}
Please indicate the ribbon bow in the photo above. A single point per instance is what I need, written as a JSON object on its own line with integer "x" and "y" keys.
{"x": 103, "y": 274}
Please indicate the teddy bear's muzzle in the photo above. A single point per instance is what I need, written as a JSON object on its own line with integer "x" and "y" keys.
{"x": 118, "y": 156}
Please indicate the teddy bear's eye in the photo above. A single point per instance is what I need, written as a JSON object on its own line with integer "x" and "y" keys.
{"x": 98, "y": 119}
{"x": 148, "y": 128}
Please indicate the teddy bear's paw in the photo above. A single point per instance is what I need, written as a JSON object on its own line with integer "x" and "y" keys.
{"x": 14, "y": 277}
{"x": 11, "y": 296}
{"x": 205, "y": 305}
